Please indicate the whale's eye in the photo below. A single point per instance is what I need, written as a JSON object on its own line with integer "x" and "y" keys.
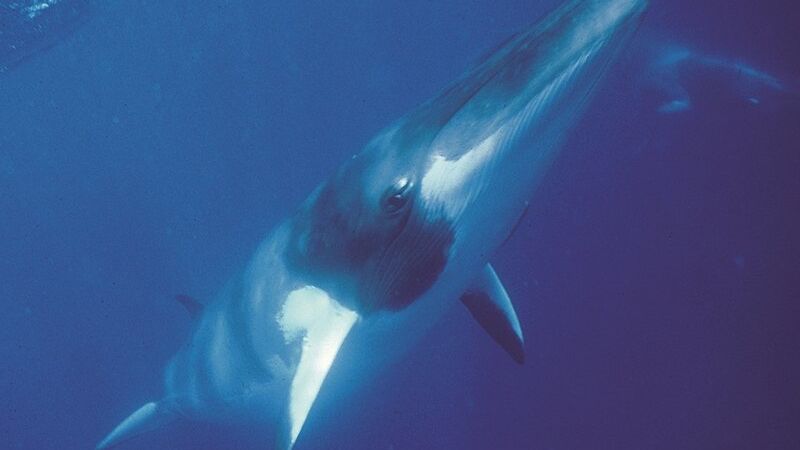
{"x": 396, "y": 197}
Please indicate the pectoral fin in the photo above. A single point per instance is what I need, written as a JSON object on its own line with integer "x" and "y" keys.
{"x": 150, "y": 417}
{"x": 489, "y": 304}
{"x": 321, "y": 324}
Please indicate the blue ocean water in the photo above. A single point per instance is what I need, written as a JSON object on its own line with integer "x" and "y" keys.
{"x": 147, "y": 147}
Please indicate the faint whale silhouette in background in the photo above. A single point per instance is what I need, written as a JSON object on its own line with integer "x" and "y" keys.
{"x": 29, "y": 27}
{"x": 681, "y": 77}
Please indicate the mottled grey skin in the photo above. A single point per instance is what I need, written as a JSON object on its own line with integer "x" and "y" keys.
{"x": 380, "y": 251}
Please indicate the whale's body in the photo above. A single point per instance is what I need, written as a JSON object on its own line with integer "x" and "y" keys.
{"x": 404, "y": 229}
{"x": 680, "y": 75}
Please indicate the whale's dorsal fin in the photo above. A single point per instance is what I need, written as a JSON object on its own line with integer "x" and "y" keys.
{"x": 193, "y": 307}
{"x": 150, "y": 417}
{"x": 487, "y": 301}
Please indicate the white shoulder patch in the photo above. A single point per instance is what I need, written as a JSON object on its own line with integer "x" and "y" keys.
{"x": 452, "y": 183}
{"x": 310, "y": 314}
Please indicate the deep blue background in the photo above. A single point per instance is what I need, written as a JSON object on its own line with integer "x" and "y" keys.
{"x": 657, "y": 274}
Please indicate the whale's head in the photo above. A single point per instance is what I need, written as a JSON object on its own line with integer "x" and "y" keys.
{"x": 448, "y": 181}
{"x": 367, "y": 235}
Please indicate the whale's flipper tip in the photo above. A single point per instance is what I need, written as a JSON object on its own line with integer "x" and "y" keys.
{"x": 150, "y": 417}
{"x": 491, "y": 307}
